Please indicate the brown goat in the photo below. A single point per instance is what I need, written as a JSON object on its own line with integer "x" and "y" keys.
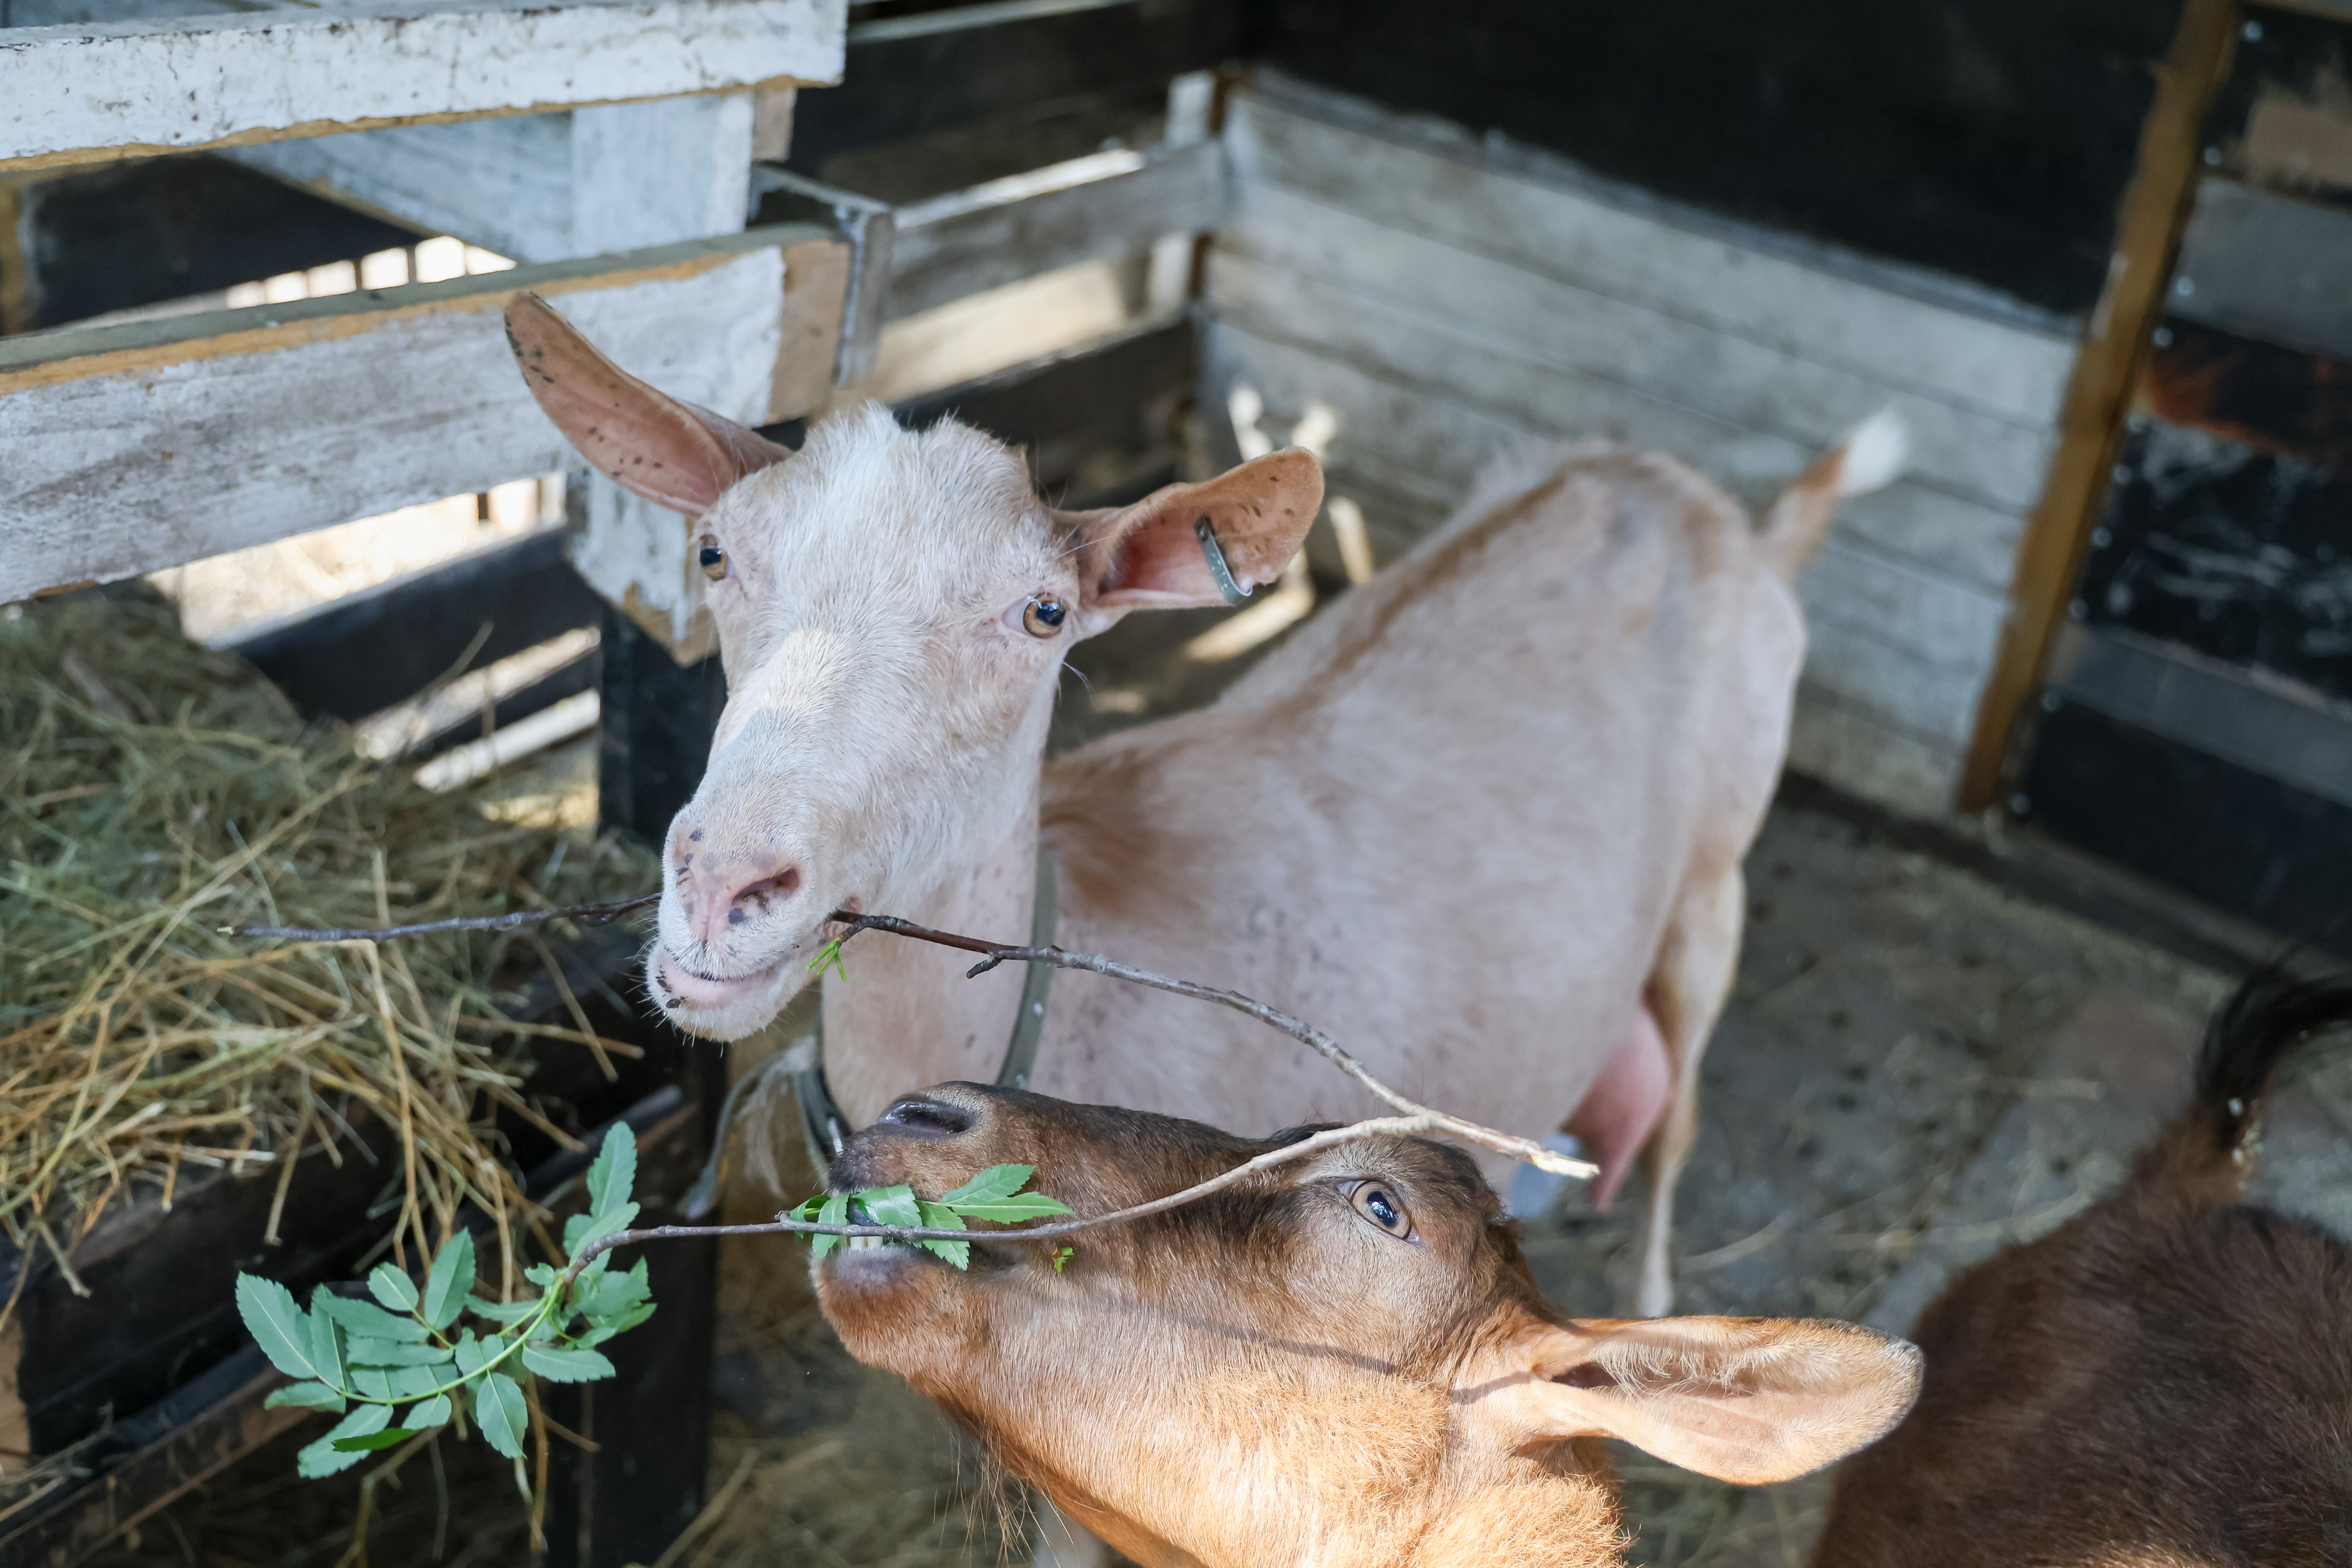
{"x": 2163, "y": 1382}
{"x": 1343, "y": 1361}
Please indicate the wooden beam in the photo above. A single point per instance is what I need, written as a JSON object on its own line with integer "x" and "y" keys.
{"x": 137, "y": 447}
{"x": 93, "y": 91}
{"x": 2057, "y": 534}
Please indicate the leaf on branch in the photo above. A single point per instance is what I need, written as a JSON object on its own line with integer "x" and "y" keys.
{"x": 1010, "y": 1210}
{"x": 325, "y": 1457}
{"x": 566, "y": 1366}
{"x": 374, "y": 1383}
{"x": 304, "y": 1395}
{"x": 358, "y": 1318}
{"x": 939, "y": 1217}
{"x": 276, "y": 1323}
{"x": 387, "y": 1352}
{"x": 392, "y": 1288}
{"x": 411, "y": 1382}
{"x": 541, "y": 1274}
{"x": 499, "y": 1411}
{"x": 830, "y": 955}
{"x": 451, "y": 1277}
{"x": 427, "y": 1414}
{"x": 367, "y": 1443}
{"x": 834, "y": 1210}
{"x": 890, "y": 1205}
{"x": 500, "y": 1311}
{"x": 473, "y": 1354}
{"x": 583, "y": 1229}
{"x": 614, "y": 1294}
{"x": 327, "y": 1341}
{"x": 614, "y": 1171}
{"x": 995, "y": 1182}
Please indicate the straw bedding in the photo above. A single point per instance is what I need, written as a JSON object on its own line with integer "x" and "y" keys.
{"x": 152, "y": 792}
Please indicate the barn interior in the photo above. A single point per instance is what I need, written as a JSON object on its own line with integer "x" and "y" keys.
{"x": 2072, "y": 752}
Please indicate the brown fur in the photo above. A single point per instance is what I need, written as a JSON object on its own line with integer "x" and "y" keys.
{"x": 1265, "y": 1376}
{"x": 2164, "y": 1382}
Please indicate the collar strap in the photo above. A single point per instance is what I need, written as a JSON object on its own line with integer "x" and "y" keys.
{"x": 822, "y": 1121}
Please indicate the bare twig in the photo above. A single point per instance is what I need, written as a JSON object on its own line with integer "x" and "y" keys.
{"x": 586, "y": 914}
{"x": 1306, "y": 1034}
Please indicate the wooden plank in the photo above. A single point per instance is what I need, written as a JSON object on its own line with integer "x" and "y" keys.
{"x": 2283, "y": 120}
{"x": 1111, "y": 203}
{"x": 142, "y": 446}
{"x": 72, "y": 94}
{"x": 1315, "y": 274}
{"x": 2050, "y": 556}
{"x": 1648, "y": 253}
{"x": 2268, "y": 266}
{"x": 910, "y": 75}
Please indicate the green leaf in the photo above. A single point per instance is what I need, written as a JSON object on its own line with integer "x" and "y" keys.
{"x": 472, "y": 1355}
{"x": 427, "y": 1414}
{"x": 1019, "y": 1207}
{"x": 323, "y": 1458}
{"x": 308, "y": 1395}
{"x": 890, "y": 1205}
{"x": 276, "y": 1323}
{"x": 385, "y": 1352}
{"x": 392, "y": 1288}
{"x": 451, "y": 1277}
{"x": 995, "y": 1182}
{"x": 566, "y": 1366}
{"x": 327, "y": 1341}
{"x": 499, "y": 1410}
{"x": 614, "y": 1294}
{"x": 500, "y": 1311}
{"x": 413, "y": 1381}
{"x": 541, "y": 1274}
{"x": 368, "y": 1442}
{"x": 582, "y": 1229}
{"x": 614, "y": 1171}
{"x": 359, "y": 1318}
{"x": 374, "y": 1383}
{"x": 807, "y": 1208}
{"x": 834, "y": 1210}
{"x": 939, "y": 1217}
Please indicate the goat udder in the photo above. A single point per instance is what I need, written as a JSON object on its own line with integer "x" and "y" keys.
{"x": 1624, "y": 1106}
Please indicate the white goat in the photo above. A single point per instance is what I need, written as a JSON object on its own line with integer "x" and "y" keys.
{"x": 1482, "y": 820}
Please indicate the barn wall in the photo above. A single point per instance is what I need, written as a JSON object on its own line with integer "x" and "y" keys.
{"x": 1447, "y": 297}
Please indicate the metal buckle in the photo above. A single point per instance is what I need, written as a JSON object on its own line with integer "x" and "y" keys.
{"x": 1235, "y": 593}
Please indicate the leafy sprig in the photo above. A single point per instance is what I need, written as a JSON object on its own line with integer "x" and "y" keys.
{"x": 364, "y": 1362}
{"x": 994, "y": 1194}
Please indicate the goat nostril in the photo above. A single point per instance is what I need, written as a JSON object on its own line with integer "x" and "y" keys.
{"x": 782, "y": 885}
{"x": 929, "y": 1118}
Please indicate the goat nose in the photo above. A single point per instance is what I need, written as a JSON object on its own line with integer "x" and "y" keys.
{"x": 716, "y": 900}
{"x": 927, "y": 1118}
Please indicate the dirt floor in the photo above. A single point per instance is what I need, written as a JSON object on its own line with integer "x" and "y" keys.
{"x": 1918, "y": 1066}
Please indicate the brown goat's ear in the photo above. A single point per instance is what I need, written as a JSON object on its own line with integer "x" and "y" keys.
{"x": 1148, "y": 555}
{"x": 1746, "y": 1400}
{"x": 644, "y": 441}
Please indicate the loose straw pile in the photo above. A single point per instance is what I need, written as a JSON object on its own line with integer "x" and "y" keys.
{"x": 151, "y": 793}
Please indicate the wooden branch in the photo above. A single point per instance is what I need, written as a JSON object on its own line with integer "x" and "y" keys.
{"x": 586, "y": 914}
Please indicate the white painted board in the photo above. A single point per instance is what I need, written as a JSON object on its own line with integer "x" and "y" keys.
{"x": 139, "y": 447}
{"x": 71, "y": 92}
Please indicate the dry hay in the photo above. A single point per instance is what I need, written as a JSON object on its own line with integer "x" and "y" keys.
{"x": 152, "y": 792}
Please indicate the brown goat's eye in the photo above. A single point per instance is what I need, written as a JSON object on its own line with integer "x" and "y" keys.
{"x": 1378, "y": 1202}
{"x": 1042, "y": 616}
{"x": 713, "y": 560}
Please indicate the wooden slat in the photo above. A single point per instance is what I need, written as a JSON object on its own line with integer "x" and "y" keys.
{"x": 72, "y": 94}
{"x": 139, "y": 447}
{"x": 1648, "y": 253}
{"x": 2267, "y": 267}
{"x": 2050, "y": 556}
{"x": 1111, "y": 203}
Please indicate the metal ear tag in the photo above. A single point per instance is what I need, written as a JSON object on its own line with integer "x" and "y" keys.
{"x": 1235, "y": 593}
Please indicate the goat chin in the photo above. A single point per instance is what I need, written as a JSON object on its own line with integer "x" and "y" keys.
{"x": 718, "y": 1010}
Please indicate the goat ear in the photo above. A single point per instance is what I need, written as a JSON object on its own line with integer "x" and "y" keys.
{"x": 644, "y": 441}
{"x": 1746, "y": 1400}
{"x": 1148, "y": 555}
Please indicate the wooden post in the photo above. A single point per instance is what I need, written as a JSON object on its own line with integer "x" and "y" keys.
{"x": 2057, "y": 533}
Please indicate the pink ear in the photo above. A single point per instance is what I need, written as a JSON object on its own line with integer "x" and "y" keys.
{"x": 1148, "y": 555}
{"x": 644, "y": 441}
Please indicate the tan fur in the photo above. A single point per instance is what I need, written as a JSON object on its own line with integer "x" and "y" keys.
{"x": 1472, "y": 820}
{"x": 1268, "y": 1377}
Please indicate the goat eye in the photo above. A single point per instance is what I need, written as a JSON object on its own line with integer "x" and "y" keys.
{"x": 713, "y": 561}
{"x": 1042, "y": 616}
{"x": 1378, "y": 1204}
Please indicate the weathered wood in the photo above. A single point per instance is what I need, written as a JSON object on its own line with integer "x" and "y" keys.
{"x": 2283, "y": 119}
{"x": 2267, "y": 267}
{"x": 1112, "y": 203}
{"x": 929, "y": 71}
{"x": 2050, "y": 556}
{"x": 71, "y": 94}
{"x": 138, "y": 447}
{"x": 1912, "y": 331}
{"x": 543, "y": 187}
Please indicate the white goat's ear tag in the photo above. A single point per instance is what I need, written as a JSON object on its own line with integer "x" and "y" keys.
{"x": 1150, "y": 555}
{"x": 647, "y": 441}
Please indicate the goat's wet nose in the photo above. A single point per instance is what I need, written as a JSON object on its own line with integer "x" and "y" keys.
{"x": 720, "y": 901}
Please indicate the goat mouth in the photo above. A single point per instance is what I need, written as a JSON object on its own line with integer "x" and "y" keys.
{"x": 692, "y": 988}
